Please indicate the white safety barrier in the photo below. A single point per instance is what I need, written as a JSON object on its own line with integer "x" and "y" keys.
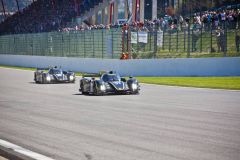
{"x": 225, "y": 66}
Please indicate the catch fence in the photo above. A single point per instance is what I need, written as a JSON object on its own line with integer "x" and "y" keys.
{"x": 188, "y": 42}
{"x": 137, "y": 42}
{"x": 86, "y": 44}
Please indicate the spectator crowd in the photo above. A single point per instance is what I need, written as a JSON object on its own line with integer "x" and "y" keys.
{"x": 56, "y": 15}
{"x": 40, "y": 16}
{"x": 207, "y": 20}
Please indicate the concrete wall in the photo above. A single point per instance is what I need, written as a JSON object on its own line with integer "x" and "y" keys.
{"x": 136, "y": 67}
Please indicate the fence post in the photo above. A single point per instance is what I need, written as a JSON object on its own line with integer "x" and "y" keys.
{"x": 169, "y": 41}
{"x": 163, "y": 40}
{"x": 69, "y": 39}
{"x": 211, "y": 39}
{"x": 25, "y": 44}
{"x": 14, "y": 44}
{"x": 112, "y": 43}
{"x": 75, "y": 43}
{"x": 93, "y": 46}
{"x": 225, "y": 41}
{"x": 188, "y": 49}
{"x": 9, "y": 45}
{"x": 184, "y": 41}
{"x": 32, "y": 43}
{"x": 84, "y": 45}
{"x": 150, "y": 40}
{"x": 237, "y": 41}
{"x": 155, "y": 42}
{"x": 137, "y": 41}
{"x": 201, "y": 38}
{"x": 102, "y": 43}
{"x": 192, "y": 41}
{"x": 129, "y": 44}
{"x": 40, "y": 44}
{"x": 177, "y": 42}
{"x": 48, "y": 47}
{"x": 62, "y": 44}
{"x": 78, "y": 37}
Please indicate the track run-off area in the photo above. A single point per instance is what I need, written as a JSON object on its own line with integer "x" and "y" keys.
{"x": 161, "y": 123}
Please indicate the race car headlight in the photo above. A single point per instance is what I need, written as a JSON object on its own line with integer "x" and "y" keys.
{"x": 71, "y": 78}
{"x": 48, "y": 78}
{"x": 102, "y": 88}
{"x": 134, "y": 86}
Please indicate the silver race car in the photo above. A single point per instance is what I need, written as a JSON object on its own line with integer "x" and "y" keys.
{"x": 108, "y": 83}
{"x": 53, "y": 75}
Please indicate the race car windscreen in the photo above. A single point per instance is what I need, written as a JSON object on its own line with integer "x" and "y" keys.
{"x": 55, "y": 71}
{"x": 110, "y": 77}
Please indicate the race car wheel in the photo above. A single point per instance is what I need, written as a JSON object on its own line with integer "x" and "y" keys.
{"x": 35, "y": 78}
{"x": 70, "y": 80}
{"x": 36, "y": 81}
{"x": 135, "y": 92}
{"x": 96, "y": 92}
{"x": 43, "y": 80}
{"x": 83, "y": 92}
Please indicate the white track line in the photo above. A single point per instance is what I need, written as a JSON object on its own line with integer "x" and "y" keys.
{"x": 23, "y": 151}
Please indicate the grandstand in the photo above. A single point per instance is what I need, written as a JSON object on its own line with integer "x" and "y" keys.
{"x": 50, "y": 15}
{"x": 39, "y": 16}
{"x": 46, "y": 16}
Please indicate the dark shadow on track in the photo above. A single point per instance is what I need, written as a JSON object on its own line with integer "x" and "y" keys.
{"x": 50, "y": 83}
{"x": 80, "y": 94}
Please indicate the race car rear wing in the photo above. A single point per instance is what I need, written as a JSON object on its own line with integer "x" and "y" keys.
{"x": 97, "y": 74}
{"x": 90, "y": 75}
{"x": 47, "y": 68}
{"x": 40, "y": 69}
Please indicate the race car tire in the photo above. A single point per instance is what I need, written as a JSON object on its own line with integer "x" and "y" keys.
{"x": 71, "y": 81}
{"x": 43, "y": 80}
{"x": 36, "y": 81}
{"x": 35, "y": 77}
{"x": 83, "y": 92}
{"x": 135, "y": 92}
{"x": 96, "y": 92}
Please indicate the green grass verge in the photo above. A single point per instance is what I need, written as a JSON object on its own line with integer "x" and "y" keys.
{"x": 201, "y": 82}
{"x": 16, "y": 67}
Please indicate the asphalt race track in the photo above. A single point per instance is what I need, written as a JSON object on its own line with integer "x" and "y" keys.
{"x": 162, "y": 123}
